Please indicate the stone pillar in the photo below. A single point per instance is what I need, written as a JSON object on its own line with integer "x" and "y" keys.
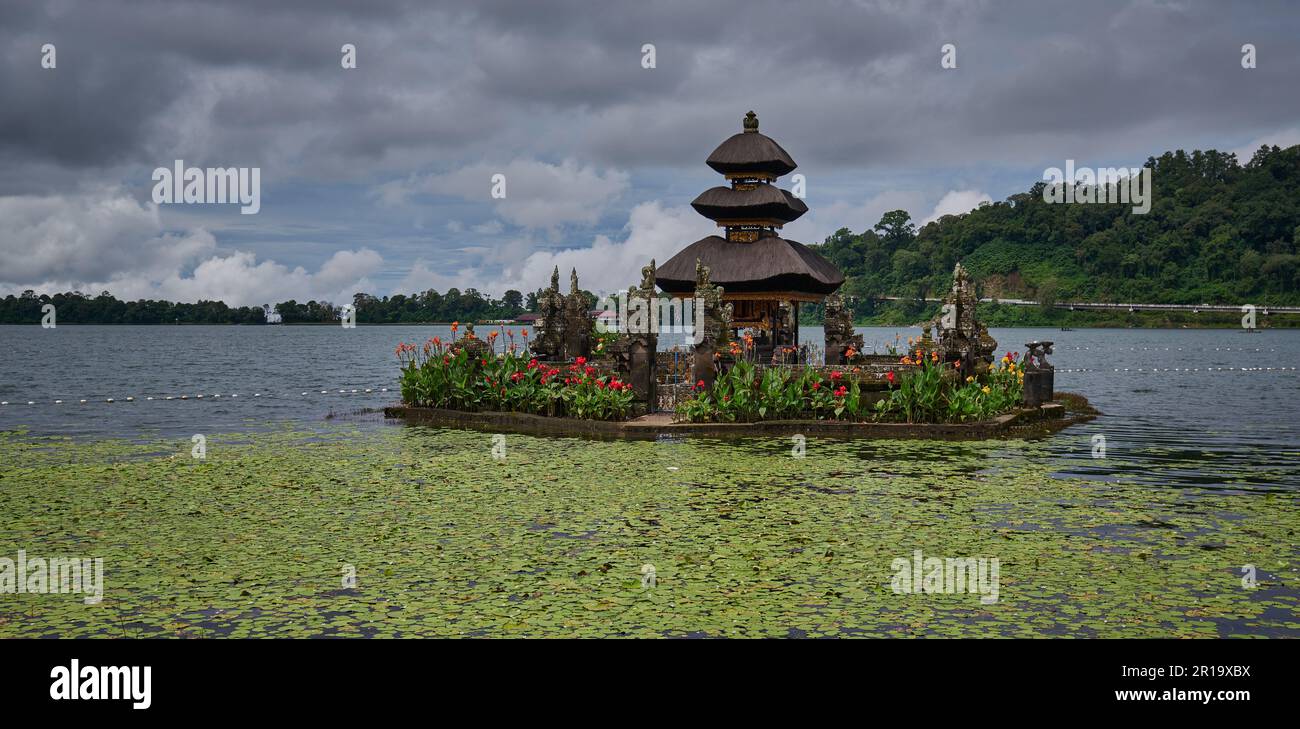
{"x": 549, "y": 344}
{"x": 641, "y": 368}
{"x": 578, "y": 321}
{"x": 839, "y": 331}
{"x": 635, "y": 350}
{"x": 717, "y": 324}
{"x": 1040, "y": 375}
{"x": 962, "y": 338}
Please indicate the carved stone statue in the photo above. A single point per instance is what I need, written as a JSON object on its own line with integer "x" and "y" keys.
{"x": 578, "y": 321}
{"x": 717, "y": 323}
{"x": 648, "y": 277}
{"x": 838, "y": 325}
{"x": 1040, "y": 375}
{"x": 961, "y": 337}
{"x": 701, "y": 275}
{"x": 549, "y": 344}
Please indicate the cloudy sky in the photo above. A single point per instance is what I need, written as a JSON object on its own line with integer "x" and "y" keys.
{"x": 378, "y": 178}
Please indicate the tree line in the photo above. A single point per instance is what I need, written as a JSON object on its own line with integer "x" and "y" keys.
{"x": 75, "y": 307}
{"x": 1218, "y": 232}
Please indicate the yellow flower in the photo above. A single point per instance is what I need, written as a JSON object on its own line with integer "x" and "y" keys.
{"x": 971, "y": 378}
{"x": 985, "y": 389}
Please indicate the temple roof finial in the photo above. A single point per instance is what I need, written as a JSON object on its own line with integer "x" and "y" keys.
{"x": 751, "y": 122}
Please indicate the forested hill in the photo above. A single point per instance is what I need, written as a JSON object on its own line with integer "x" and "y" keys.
{"x": 1218, "y": 232}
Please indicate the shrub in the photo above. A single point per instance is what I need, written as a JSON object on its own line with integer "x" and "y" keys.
{"x": 929, "y": 394}
{"x": 442, "y": 375}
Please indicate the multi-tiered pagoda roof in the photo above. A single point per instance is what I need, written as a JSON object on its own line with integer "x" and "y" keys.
{"x": 751, "y": 258}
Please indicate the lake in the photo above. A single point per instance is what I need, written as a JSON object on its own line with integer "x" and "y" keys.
{"x": 1229, "y": 401}
{"x": 1196, "y": 490}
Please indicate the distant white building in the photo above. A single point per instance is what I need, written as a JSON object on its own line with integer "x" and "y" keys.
{"x": 272, "y": 316}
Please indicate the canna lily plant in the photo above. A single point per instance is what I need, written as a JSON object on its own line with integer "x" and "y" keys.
{"x": 442, "y": 375}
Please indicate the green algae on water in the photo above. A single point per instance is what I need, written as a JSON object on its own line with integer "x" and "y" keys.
{"x": 259, "y": 539}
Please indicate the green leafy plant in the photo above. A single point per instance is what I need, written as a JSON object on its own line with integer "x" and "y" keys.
{"x": 447, "y": 375}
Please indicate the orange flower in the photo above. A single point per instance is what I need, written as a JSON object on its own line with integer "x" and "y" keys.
{"x": 850, "y": 352}
{"x": 455, "y": 327}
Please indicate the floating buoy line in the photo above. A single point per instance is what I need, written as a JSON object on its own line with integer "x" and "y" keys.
{"x": 213, "y": 396}
{"x": 1059, "y": 348}
{"x": 1177, "y": 369}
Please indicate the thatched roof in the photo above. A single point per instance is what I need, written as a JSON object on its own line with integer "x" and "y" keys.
{"x": 769, "y": 264}
{"x": 762, "y": 202}
{"x": 751, "y": 152}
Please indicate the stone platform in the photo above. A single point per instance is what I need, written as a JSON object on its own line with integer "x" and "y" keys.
{"x": 1026, "y": 422}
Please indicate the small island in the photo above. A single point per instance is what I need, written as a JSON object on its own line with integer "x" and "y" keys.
{"x": 737, "y": 296}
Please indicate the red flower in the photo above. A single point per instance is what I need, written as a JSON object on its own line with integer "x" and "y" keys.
{"x": 817, "y": 385}
{"x": 836, "y": 375}
{"x": 890, "y": 376}
{"x": 581, "y": 361}
{"x": 532, "y": 363}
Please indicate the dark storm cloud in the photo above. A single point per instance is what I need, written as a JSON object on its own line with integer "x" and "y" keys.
{"x": 850, "y": 83}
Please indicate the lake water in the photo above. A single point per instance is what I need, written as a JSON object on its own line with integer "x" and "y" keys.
{"x": 1223, "y": 400}
{"x": 1195, "y": 495}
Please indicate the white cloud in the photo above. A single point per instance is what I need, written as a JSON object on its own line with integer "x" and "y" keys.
{"x": 91, "y": 234}
{"x": 957, "y": 202}
{"x": 106, "y": 241}
{"x": 653, "y": 231}
{"x": 1283, "y": 138}
{"x": 822, "y": 221}
{"x": 537, "y": 194}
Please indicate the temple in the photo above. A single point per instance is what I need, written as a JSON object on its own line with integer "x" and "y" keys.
{"x": 763, "y": 277}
